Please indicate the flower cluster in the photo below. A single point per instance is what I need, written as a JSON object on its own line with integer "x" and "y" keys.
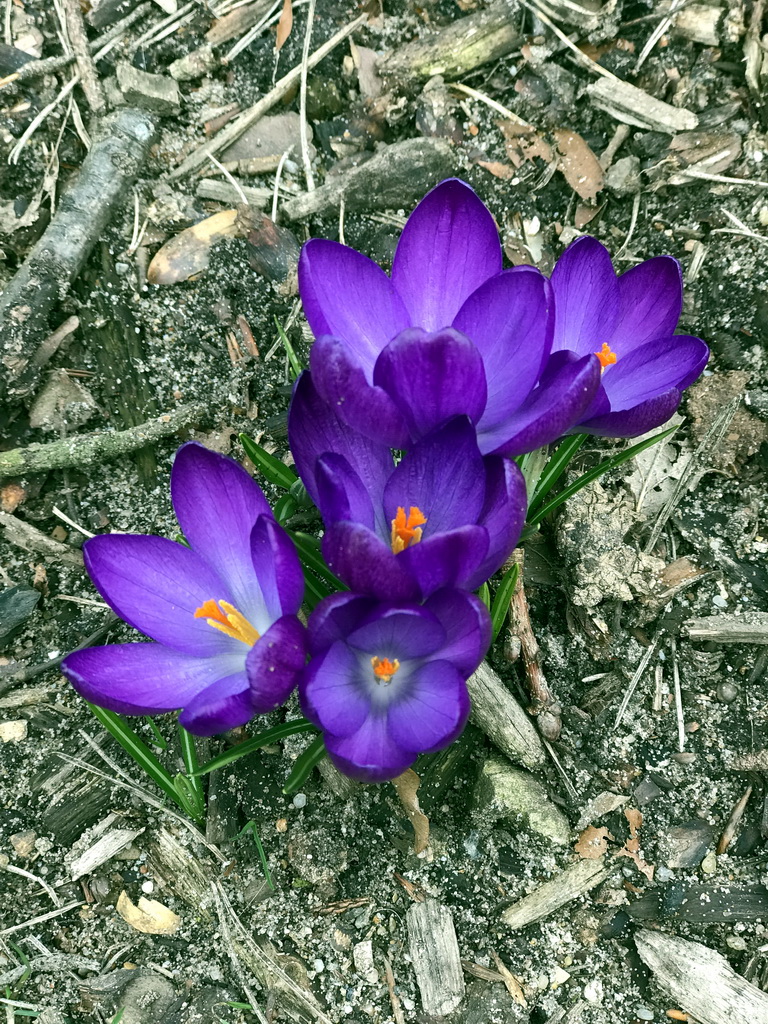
{"x": 423, "y": 387}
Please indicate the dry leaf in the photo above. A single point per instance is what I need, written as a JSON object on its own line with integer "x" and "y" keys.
{"x": 150, "y": 917}
{"x": 593, "y": 843}
{"x": 407, "y": 786}
{"x": 631, "y": 848}
{"x": 497, "y": 168}
{"x": 579, "y": 165}
{"x": 284, "y": 25}
{"x": 187, "y": 253}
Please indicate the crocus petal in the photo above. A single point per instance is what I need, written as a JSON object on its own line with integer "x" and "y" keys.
{"x": 217, "y": 503}
{"x": 653, "y": 369}
{"x": 369, "y": 754}
{"x": 342, "y": 383}
{"x": 399, "y": 632}
{"x": 314, "y": 429}
{"x": 565, "y": 392}
{"x": 467, "y": 626}
{"x": 503, "y": 514}
{"x": 650, "y": 302}
{"x": 632, "y": 422}
{"x": 448, "y": 248}
{"x": 586, "y": 297}
{"x": 156, "y": 585}
{"x": 274, "y": 662}
{"x": 330, "y": 694}
{"x": 335, "y": 617}
{"x": 277, "y": 568}
{"x": 431, "y": 378}
{"x": 342, "y": 494}
{"x": 366, "y": 564}
{"x": 434, "y": 710}
{"x": 222, "y": 706}
{"x": 510, "y": 320}
{"x": 442, "y": 475}
{"x": 143, "y": 679}
{"x": 447, "y": 560}
{"x": 347, "y": 295}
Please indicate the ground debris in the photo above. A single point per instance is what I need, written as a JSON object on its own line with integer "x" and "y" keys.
{"x": 749, "y": 628}
{"x": 435, "y": 956}
{"x": 513, "y": 794}
{"x": 576, "y": 880}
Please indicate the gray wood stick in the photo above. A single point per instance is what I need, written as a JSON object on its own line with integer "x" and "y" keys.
{"x": 497, "y": 713}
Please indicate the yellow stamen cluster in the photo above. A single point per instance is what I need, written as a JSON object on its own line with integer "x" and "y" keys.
{"x": 384, "y": 669}
{"x": 606, "y": 356}
{"x": 225, "y": 617}
{"x": 407, "y": 531}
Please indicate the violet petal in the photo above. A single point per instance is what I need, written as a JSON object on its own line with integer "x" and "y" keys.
{"x": 432, "y": 710}
{"x": 274, "y": 662}
{"x": 399, "y": 632}
{"x": 650, "y": 303}
{"x": 447, "y": 560}
{"x": 654, "y": 368}
{"x": 467, "y": 626}
{"x": 586, "y": 297}
{"x": 277, "y": 569}
{"x": 366, "y": 564}
{"x": 335, "y": 617}
{"x": 341, "y": 493}
{"x": 330, "y": 693}
{"x": 369, "y": 754}
{"x": 222, "y": 706}
{"x": 634, "y": 421}
{"x": 503, "y": 515}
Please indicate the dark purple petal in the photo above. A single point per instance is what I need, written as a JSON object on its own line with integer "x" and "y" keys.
{"x": 637, "y": 420}
{"x": 586, "y": 297}
{"x": 442, "y": 475}
{"x": 467, "y": 626}
{"x": 330, "y": 692}
{"x": 277, "y": 568}
{"x": 398, "y": 632}
{"x": 653, "y": 369}
{"x": 448, "y": 248}
{"x": 314, "y": 429}
{"x": 347, "y": 295}
{"x": 335, "y": 617}
{"x": 565, "y": 392}
{"x": 342, "y": 495}
{"x": 343, "y": 384}
{"x": 503, "y": 515}
{"x": 222, "y": 706}
{"x": 369, "y": 754}
{"x": 156, "y": 585}
{"x": 447, "y": 560}
{"x": 366, "y": 564}
{"x": 431, "y": 378}
{"x": 433, "y": 710}
{"x": 510, "y": 320}
{"x": 650, "y": 302}
{"x": 144, "y": 679}
{"x": 217, "y": 503}
{"x": 274, "y": 662}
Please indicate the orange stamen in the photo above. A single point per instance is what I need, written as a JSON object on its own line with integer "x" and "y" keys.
{"x": 407, "y": 531}
{"x": 606, "y": 356}
{"x": 226, "y": 618}
{"x": 384, "y": 669}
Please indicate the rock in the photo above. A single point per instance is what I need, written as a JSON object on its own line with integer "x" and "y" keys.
{"x": 152, "y": 92}
{"x": 13, "y": 731}
{"x": 503, "y": 791}
{"x": 63, "y": 402}
{"x": 686, "y": 845}
{"x": 16, "y": 605}
{"x": 194, "y": 65}
{"x": 623, "y": 177}
{"x": 208, "y": 1006}
{"x": 146, "y": 999}
{"x": 362, "y": 954}
{"x": 270, "y": 137}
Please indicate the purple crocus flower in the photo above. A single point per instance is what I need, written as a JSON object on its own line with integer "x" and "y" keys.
{"x": 450, "y": 333}
{"x": 444, "y": 516}
{"x": 387, "y": 682}
{"x": 628, "y": 321}
{"x": 222, "y": 612}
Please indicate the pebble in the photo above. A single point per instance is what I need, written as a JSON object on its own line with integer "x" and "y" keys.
{"x": 593, "y": 991}
{"x": 684, "y": 757}
{"x": 644, "y": 1013}
{"x": 719, "y": 602}
{"x": 13, "y": 731}
{"x": 709, "y": 864}
{"x": 300, "y": 800}
{"x": 727, "y": 692}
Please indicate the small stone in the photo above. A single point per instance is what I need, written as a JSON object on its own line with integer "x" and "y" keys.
{"x": 709, "y": 864}
{"x": 646, "y": 791}
{"x": 23, "y": 843}
{"x": 593, "y": 991}
{"x": 513, "y": 794}
{"x": 736, "y": 942}
{"x": 623, "y": 176}
{"x": 152, "y": 92}
{"x": 558, "y": 977}
{"x": 362, "y": 954}
{"x": 719, "y": 601}
{"x": 643, "y": 1013}
{"x": 300, "y": 800}
{"x": 194, "y": 65}
{"x": 727, "y": 692}
{"x": 13, "y": 731}
{"x": 684, "y": 757}
{"x": 687, "y": 845}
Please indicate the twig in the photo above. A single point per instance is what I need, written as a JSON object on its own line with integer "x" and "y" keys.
{"x": 475, "y": 94}
{"x": 310, "y": 178}
{"x": 88, "y": 449}
{"x": 89, "y": 80}
{"x": 236, "y": 128}
{"x": 24, "y": 675}
{"x": 70, "y": 522}
{"x": 43, "y": 917}
{"x": 636, "y": 678}
{"x": 35, "y": 878}
{"x": 678, "y": 697}
{"x": 733, "y": 822}
{"x": 658, "y": 32}
{"x": 580, "y": 56}
{"x": 229, "y": 945}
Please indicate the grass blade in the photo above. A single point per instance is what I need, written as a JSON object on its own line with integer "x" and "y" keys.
{"x": 502, "y": 597}
{"x": 484, "y": 593}
{"x": 593, "y": 474}
{"x": 305, "y": 762}
{"x": 255, "y": 743}
{"x": 191, "y": 764}
{"x": 555, "y": 468}
{"x": 272, "y": 468}
{"x": 310, "y": 554}
{"x": 293, "y": 359}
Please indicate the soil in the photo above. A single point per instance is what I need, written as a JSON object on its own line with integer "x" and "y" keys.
{"x": 341, "y": 860}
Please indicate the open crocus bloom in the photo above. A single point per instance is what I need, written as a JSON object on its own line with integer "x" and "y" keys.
{"x": 444, "y": 516}
{"x": 388, "y": 681}
{"x": 450, "y": 333}
{"x": 222, "y": 612}
{"x": 628, "y": 321}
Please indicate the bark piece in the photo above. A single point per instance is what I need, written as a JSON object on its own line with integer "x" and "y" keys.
{"x": 153, "y": 92}
{"x": 435, "y": 956}
{"x": 398, "y": 174}
{"x": 631, "y": 105}
{"x": 105, "y": 180}
{"x": 700, "y": 980}
{"x": 497, "y": 713}
{"x": 104, "y": 849}
{"x": 750, "y": 628}
{"x": 577, "y": 880}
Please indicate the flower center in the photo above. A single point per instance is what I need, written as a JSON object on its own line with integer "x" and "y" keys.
{"x": 407, "y": 531}
{"x": 384, "y": 669}
{"x": 225, "y": 617}
{"x": 606, "y": 356}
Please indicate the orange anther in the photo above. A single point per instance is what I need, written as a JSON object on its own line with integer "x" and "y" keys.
{"x": 227, "y": 619}
{"x": 384, "y": 669}
{"x": 606, "y": 356}
{"x": 407, "y": 531}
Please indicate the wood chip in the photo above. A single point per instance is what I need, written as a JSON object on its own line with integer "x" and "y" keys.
{"x": 699, "y": 980}
{"x": 407, "y": 786}
{"x": 578, "y": 164}
{"x": 435, "y": 957}
{"x": 750, "y": 628}
{"x": 107, "y": 847}
{"x": 577, "y": 880}
{"x": 149, "y": 917}
{"x": 497, "y": 713}
{"x": 631, "y": 105}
